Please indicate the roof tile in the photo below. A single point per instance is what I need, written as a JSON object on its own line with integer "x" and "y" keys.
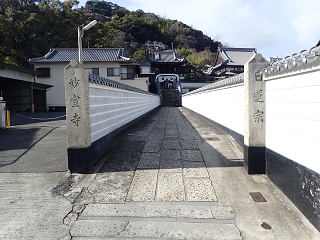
{"x": 88, "y": 55}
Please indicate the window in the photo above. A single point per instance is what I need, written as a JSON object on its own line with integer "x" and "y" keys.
{"x": 113, "y": 72}
{"x": 127, "y": 73}
{"x": 94, "y": 71}
{"x": 45, "y": 72}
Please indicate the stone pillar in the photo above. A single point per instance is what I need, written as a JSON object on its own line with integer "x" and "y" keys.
{"x": 78, "y": 118}
{"x": 254, "y": 131}
{"x": 2, "y": 113}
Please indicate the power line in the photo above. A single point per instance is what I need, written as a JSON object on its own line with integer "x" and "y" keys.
{"x": 226, "y": 16}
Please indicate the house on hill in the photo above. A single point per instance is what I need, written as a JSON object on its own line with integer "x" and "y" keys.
{"x": 230, "y": 62}
{"x": 109, "y": 63}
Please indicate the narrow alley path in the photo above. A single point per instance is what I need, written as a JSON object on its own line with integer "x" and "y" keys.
{"x": 173, "y": 175}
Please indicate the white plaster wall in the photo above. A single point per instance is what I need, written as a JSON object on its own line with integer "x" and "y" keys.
{"x": 224, "y": 106}
{"x": 55, "y": 95}
{"x": 293, "y": 117}
{"x": 111, "y": 108}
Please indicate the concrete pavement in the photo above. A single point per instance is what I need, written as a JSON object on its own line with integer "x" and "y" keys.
{"x": 172, "y": 175}
{"x": 33, "y": 162}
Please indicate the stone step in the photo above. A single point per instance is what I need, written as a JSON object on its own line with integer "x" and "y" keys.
{"x": 156, "y": 221}
{"x": 158, "y": 211}
{"x": 115, "y": 229}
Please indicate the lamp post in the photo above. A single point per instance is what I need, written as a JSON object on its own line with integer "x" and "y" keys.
{"x": 80, "y": 36}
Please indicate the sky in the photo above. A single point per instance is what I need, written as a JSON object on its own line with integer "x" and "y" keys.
{"x": 274, "y": 27}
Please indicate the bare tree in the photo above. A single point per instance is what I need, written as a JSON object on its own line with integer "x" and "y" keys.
{"x": 119, "y": 39}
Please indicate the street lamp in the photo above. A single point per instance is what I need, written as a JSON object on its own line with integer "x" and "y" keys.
{"x": 80, "y": 36}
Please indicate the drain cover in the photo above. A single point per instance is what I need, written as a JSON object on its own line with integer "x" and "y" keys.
{"x": 257, "y": 197}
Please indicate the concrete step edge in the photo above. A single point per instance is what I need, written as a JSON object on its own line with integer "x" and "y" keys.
{"x": 158, "y": 219}
{"x": 154, "y": 230}
{"x": 159, "y": 211}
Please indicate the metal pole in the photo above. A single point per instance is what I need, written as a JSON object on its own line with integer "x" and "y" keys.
{"x": 80, "y": 44}
{"x": 8, "y": 119}
{"x": 31, "y": 97}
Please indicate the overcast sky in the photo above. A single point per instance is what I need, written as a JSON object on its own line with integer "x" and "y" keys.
{"x": 275, "y": 27}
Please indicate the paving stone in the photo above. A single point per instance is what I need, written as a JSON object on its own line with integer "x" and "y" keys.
{"x": 111, "y": 187}
{"x": 200, "y": 190}
{"x": 156, "y": 136}
{"x": 195, "y": 169}
{"x": 189, "y": 144}
{"x": 130, "y": 146}
{"x": 170, "y": 166}
{"x": 173, "y": 145}
{"x": 170, "y": 155}
{"x": 191, "y": 155}
{"x": 170, "y": 187}
{"x": 155, "y": 211}
{"x": 152, "y": 146}
{"x": 171, "y": 128}
{"x": 149, "y": 161}
{"x": 172, "y": 134}
{"x": 143, "y": 186}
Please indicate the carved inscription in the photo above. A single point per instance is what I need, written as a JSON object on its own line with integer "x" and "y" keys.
{"x": 258, "y": 96}
{"x": 76, "y": 119}
{"x": 74, "y": 82}
{"x": 258, "y": 116}
{"x": 75, "y": 101}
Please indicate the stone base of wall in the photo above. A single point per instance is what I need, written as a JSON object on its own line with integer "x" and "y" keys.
{"x": 254, "y": 160}
{"x": 300, "y": 184}
{"x": 80, "y": 160}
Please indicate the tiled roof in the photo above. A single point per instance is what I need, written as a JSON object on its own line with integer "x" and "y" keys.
{"x": 166, "y": 57}
{"x": 290, "y": 63}
{"x": 238, "y": 79}
{"x": 88, "y": 55}
{"x": 237, "y": 56}
{"x": 110, "y": 83}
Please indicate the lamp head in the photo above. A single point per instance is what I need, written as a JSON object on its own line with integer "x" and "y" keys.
{"x": 90, "y": 25}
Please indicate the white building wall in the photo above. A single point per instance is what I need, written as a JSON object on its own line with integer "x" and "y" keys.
{"x": 293, "y": 116}
{"x": 112, "y": 108}
{"x": 223, "y": 105}
{"x": 56, "y": 94}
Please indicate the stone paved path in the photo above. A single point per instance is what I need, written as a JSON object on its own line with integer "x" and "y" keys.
{"x": 154, "y": 184}
{"x": 173, "y": 175}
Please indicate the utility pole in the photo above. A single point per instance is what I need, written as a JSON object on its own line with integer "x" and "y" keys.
{"x": 88, "y": 39}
